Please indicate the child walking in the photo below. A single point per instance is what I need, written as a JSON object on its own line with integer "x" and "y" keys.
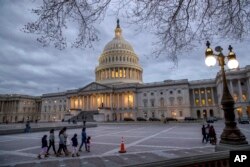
{"x": 44, "y": 147}
{"x": 88, "y": 143}
{"x": 74, "y": 145}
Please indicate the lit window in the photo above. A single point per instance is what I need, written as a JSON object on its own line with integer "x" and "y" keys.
{"x": 244, "y": 98}
{"x": 202, "y": 92}
{"x": 203, "y": 102}
{"x": 196, "y": 101}
{"x": 116, "y": 73}
{"x": 120, "y": 73}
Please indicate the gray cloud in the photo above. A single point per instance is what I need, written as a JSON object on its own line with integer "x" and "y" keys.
{"x": 28, "y": 68}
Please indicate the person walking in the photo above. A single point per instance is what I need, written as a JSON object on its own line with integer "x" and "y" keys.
{"x": 61, "y": 144}
{"x": 84, "y": 138}
{"x": 74, "y": 145}
{"x": 65, "y": 140}
{"x": 212, "y": 135}
{"x": 203, "y": 131}
{"x": 44, "y": 147}
{"x": 207, "y": 132}
{"x": 51, "y": 141}
{"x": 88, "y": 143}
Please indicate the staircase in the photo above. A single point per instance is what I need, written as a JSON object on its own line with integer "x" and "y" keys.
{"x": 88, "y": 115}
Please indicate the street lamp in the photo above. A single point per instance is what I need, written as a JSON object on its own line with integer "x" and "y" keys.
{"x": 231, "y": 137}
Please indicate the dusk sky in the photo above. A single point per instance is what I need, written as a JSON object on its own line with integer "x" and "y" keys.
{"x": 28, "y": 68}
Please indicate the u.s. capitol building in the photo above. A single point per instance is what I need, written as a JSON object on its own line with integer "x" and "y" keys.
{"x": 119, "y": 92}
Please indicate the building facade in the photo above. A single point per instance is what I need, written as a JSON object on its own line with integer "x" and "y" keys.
{"x": 19, "y": 108}
{"x": 119, "y": 92}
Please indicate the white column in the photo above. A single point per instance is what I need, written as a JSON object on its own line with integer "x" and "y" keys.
{"x": 87, "y": 106}
{"x": 248, "y": 89}
{"x": 212, "y": 93}
{"x": 78, "y": 102}
{"x": 200, "y": 97}
{"x": 206, "y": 96}
{"x": 118, "y": 100}
{"x": 240, "y": 91}
{"x": 231, "y": 87}
{"x": 134, "y": 100}
{"x": 194, "y": 97}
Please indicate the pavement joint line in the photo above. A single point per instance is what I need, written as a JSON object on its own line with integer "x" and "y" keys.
{"x": 113, "y": 144}
{"x": 28, "y": 148}
{"x": 119, "y": 132}
{"x": 2, "y": 141}
{"x": 139, "y": 141}
{"x": 18, "y": 153}
{"x": 154, "y": 146}
{"x": 180, "y": 138}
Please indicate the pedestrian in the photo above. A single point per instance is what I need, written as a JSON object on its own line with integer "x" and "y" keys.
{"x": 51, "y": 141}
{"x": 84, "y": 138}
{"x": 207, "y": 132}
{"x": 74, "y": 145}
{"x": 65, "y": 140}
{"x": 44, "y": 147}
{"x": 203, "y": 131}
{"x": 88, "y": 143}
{"x": 61, "y": 144}
{"x": 212, "y": 135}
{"x": 27, "y": 127}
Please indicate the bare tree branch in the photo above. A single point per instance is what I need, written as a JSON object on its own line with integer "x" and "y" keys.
{"x": 177, "y": 24}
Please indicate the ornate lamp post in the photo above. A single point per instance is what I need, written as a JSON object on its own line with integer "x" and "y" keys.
{"x": 231, "y": 137}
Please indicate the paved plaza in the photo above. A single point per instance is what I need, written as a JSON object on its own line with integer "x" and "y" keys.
{"x": 144, "y": 142}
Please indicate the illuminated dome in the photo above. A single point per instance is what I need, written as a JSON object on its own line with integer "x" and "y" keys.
{"x": 118, "y": 63}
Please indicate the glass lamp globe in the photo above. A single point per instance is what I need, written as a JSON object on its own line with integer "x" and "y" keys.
{"x": 232, "y": 64}
{"x": 210, "y": 60}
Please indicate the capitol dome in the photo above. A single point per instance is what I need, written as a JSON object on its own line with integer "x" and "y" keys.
{"x": 118, "y": 62}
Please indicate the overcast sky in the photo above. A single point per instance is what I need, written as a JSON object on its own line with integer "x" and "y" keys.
{"x": 28, "y": 68}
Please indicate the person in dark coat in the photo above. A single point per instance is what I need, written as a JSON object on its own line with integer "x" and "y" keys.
{"x": 84, "y": 138}
{"x": 44, "y": 147}
{"x": 61, "y": 143}
{"x": 207, "y": 133}
{"x": 51, "y": 141}
{"x": 74, "y": 145}
{"x": 203, "y": 131}
{"x": 212, "y": 135}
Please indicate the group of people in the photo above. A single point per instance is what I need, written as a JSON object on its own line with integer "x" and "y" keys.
{"x": 208, "y": 134}
{"x": 63, "y": 142}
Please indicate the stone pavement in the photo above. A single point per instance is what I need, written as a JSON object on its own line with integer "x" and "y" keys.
{"x": 144, "y": 143}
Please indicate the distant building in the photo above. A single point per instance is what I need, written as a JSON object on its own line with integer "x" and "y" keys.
{"x": 119, "y": 92}
{"x": 19, "y": 108}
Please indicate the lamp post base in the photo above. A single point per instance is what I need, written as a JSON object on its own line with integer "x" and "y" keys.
{"x": 229, "y": 147}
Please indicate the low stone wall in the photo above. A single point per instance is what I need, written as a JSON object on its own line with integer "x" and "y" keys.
{"x": 41, "y": 129}
{"x": 217, "y": 159}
